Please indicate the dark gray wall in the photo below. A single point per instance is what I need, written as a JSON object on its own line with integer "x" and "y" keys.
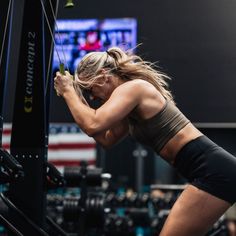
{"x": 194, "y": 42}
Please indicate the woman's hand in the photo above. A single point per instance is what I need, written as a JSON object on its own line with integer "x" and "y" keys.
{"x": 63, "y": 83}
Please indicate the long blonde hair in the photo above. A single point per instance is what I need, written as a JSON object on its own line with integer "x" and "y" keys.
{"x": 125, "y": 65}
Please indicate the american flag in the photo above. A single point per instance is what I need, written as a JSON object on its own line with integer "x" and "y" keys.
{"x": 67, "y": 145}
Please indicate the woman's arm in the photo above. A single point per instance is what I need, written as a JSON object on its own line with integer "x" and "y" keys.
{"x": 93, "y": 122}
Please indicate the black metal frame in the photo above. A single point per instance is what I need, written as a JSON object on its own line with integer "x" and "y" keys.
{"x": 29, "y": 138}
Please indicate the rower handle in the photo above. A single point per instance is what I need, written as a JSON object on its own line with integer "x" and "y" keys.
{"x": 62, "y": 68}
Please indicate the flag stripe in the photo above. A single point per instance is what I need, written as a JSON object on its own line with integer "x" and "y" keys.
{"x": 75, "y": 155}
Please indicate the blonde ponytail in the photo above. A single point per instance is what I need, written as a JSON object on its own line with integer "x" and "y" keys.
{"x": 125, "y": 65}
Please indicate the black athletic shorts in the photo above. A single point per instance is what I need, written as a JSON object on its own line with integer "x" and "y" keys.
{"x": 208, "y": 167}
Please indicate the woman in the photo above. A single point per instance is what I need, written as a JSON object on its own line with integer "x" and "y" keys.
{"x": 136, "y": 101}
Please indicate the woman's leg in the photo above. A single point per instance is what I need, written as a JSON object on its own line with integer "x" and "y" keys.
{"x": 194, "y": 213}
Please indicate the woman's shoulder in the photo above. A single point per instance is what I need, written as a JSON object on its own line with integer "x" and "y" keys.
{"x": 138, "y": 85}
{"x": 143, "y": 89}
{"x": 150, "y": 100}
{"x": 140, "y": 82}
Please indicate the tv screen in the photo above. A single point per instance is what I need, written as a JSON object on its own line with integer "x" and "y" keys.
{"x": 76, "y": 37}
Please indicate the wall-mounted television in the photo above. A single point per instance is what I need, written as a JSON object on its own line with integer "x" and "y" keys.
{"x": 76, "y": 37}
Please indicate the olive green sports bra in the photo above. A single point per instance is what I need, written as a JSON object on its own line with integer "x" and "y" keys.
{"x": 159, "y": 129}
